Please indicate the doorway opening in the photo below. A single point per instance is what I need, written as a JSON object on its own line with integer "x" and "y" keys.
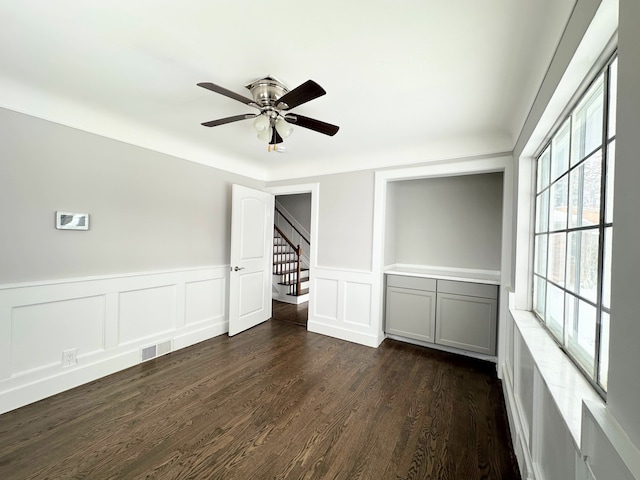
{"x": 291, "y": 257}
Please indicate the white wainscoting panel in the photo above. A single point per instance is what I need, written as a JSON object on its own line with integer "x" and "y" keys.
{"x": 325, "y": 294}
{"x": 205, "y": 301}
{"x": 343, "y": 304}
{"x": 146, "y": 312}
{"x": 523, "y": 386}
{"x": 106, "y": 320}
{"x": 608, "y": 451}
{"x": 357, "y": 303}
{"x": 38, "y": 326}
{"x": 553, "y": 450}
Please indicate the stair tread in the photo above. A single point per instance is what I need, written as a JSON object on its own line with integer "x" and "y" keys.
{"x": 303, "y": 291}
{"x": 286, "y": 272}
{"x": 292, "y": 282}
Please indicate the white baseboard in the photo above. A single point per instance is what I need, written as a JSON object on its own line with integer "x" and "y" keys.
{"x": 444, "y": 348}
{"x": 343, "y": 334}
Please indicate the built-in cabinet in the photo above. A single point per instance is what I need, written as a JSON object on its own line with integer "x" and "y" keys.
{"x": 411, "y": 307}
{"x": 442, "y": 261}
{"x": 456, "y": 314}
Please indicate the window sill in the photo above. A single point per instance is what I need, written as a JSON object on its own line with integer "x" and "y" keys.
{"x": 566, "y": 384}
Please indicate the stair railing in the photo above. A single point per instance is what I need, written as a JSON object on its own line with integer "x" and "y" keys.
{"x": 281, "y": 267}
{"x": 298, "y": 235}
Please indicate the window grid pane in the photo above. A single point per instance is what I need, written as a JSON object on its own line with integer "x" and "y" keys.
{"x": 542, "y": 212}
{"x": 560, "y": 151}
{"x": 554, "y": 314}
{"x": 539, "y": 296}
{"x": 611, "y": 166}
{"x": 573, "y": 229}
{"x": 584, "y": 191}
{"x": 613, "y": 94}
{"x": 543, "y": 170}
{"x": 606, "y": 268}
{"x": 540, "y": 253}
{"x": 582, "y": 263}
{"x": 557, "y": 253}
{"x": 603, "y": 370}
{"x": 586, "y": 132}
{"x": 558, "y": 201}
{"x": 581, "y": 331}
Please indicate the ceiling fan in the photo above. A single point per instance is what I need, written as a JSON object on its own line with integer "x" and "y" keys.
{"x": 274, "y": 100}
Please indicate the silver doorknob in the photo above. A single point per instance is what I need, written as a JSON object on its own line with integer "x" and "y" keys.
{"x": 236, "y": 268}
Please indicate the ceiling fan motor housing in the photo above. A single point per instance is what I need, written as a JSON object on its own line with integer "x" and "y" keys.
{"x": 266, "y": 91}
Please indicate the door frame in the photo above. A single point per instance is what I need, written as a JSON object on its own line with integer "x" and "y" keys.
{"x": 314, "y": 190}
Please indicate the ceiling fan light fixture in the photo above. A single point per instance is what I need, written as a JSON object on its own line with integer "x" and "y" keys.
{"x": 265, "y": 135}
{"x": 283, "y": 128}
{"x": 261, "y": 123}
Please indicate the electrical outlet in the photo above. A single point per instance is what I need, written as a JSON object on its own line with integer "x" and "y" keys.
{"x": 69, "y": 357}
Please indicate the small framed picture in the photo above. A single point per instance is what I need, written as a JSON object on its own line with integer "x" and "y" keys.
{"x": 72, "y": 221}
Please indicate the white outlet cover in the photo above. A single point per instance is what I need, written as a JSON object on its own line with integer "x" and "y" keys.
{"x": 69, "y": 357}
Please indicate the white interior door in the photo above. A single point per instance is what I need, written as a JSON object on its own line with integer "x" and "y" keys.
{"x": 251, "y": 257}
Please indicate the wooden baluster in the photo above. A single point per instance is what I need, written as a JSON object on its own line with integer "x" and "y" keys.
{"x": 298, "y": 253}
{"x": 284, "y": 266}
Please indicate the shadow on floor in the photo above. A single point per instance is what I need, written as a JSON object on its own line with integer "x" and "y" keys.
{"x": 287, "y": 312}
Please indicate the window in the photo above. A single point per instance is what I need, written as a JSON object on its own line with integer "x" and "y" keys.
{"x": 574, "y": 228}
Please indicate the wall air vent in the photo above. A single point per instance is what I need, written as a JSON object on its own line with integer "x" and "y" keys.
{"x": 148, "y": 352}
{"x": 152, "y": 351}
{"x": 164, "y": 348}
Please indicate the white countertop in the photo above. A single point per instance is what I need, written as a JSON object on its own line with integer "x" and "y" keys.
{"x": 445, "y": 273}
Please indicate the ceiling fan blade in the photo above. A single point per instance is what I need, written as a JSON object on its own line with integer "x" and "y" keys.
{"x": 228, "y": 93}
{"x": 312, "y": 124}
{"x": 304, "y": 93}
{"x": 235, "y": 118}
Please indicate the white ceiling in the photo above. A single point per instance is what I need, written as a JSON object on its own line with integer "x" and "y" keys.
{"x": 407, "y": 80}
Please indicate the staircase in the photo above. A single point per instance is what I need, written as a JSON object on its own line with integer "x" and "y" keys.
{"x": 290, "y": 278}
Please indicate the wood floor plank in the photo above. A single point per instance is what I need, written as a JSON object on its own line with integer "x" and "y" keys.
{"x": 275, "y": 402}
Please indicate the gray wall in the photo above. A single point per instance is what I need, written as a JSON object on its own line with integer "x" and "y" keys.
{"x": 149, "y": 211}
{"x": 624, "y": 356}
{"x": 391, "y": 211}
{"x": 447, "y": 222}
{"x": 299, "y": 206}
{"x": 345, "y": 223}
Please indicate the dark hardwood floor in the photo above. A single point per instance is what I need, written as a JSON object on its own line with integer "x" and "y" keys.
{"x": 275, "y": 402}
{"x": 290, "y": 313}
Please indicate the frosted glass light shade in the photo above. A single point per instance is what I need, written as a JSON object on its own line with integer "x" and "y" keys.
{"x": 283, "y": 128}
{"x": 261, "y": 123}
{"x": 265, "y": 135}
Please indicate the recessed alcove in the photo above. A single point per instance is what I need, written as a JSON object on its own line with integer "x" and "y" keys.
{"x": 453, "y": 222}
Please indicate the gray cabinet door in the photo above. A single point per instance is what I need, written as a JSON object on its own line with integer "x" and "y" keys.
{"x": 467, "y": 322}
{"x": 411, "y": 313}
